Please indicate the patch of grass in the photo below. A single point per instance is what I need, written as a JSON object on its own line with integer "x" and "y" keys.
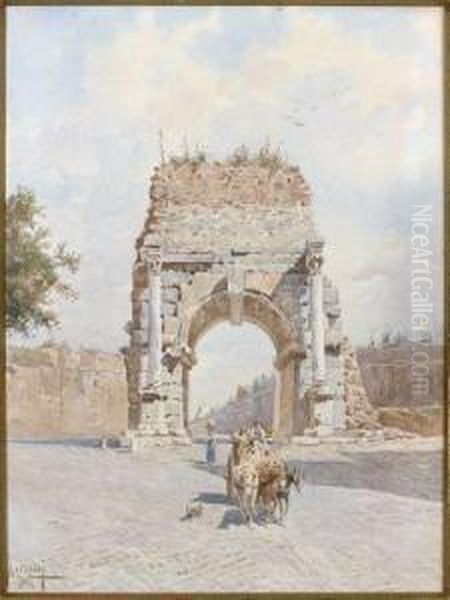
{"x": 266, "y": 157}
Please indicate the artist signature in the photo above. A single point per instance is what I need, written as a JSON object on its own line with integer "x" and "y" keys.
{"x": 26, "y": 574}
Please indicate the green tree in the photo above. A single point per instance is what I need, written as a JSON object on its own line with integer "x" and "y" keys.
{"x": 35, "y": 266}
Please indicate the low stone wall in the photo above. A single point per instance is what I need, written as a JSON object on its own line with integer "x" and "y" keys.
{"x": 425, "y": 422}
{"x": 56, "y": 392}
{"x": 387, "y": 376}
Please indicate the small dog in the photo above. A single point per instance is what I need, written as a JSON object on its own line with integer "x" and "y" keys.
{"x": 193, "y": 510}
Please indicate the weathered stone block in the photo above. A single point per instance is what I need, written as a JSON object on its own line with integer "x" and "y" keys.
{"x": 173, "y": 407}
{"x": 171, "y": 294}
{"x": 171, "y": 325}
{"x": 170, "y": 309}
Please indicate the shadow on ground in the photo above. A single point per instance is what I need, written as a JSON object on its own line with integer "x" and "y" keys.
{"x": 66, "y": 442}
{"x": 212, "y": 498}
{"x": 415, "y": 474}
{"x": 404, "y": 473}
{"x": 232, "y": 516}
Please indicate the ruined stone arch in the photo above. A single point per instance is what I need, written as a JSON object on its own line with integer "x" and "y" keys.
{"x": 257, "y": 308}
{"x": 260, "y": 310}
{"x": 232, "y": 240}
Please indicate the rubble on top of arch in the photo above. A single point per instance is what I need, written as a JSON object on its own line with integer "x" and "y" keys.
{"x": 245, "y": 203}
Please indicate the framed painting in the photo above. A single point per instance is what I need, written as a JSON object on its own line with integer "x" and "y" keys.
{"x": 224, "y": 332}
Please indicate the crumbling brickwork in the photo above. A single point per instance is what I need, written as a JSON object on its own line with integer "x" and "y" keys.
{"x": 200, "y": 206}
{"x": 236, "y": 241}
{"x": 359, "y": 411}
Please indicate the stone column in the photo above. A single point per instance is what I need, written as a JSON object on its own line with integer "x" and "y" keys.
{"x": 286, "y": 364}
{"x": 154, "y": 320}
{"x": 314, "y": 265}
{"x": 188, "y": 360}
{"x": 318, "y": 333}
{"x": 287, "y": 399}
{"x": 153, "y": 413}
{"x": 137, "y": 328}
{"x": 141, "y": 338}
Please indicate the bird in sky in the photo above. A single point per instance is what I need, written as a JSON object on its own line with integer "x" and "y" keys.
{"x": 303, "y": 105}
{"x": 294, "y": 121}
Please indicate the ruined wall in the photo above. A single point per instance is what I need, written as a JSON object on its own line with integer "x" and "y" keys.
{"x": 387, "y": 377}
{"x": 52, "y": 391}
{"x": 216, "y": 206}
{"x": 359, "y": 411}
{"x": 426, "y": 421}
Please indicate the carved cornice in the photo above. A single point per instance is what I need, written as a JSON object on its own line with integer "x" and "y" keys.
{"x": 152, "y": 258}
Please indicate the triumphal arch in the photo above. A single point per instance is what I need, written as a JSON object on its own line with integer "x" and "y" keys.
{"x": 231, "y": 241}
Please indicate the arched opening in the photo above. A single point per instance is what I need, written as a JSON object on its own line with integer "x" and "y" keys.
{"x": 260, "y": 311}
{"x": 234, "y": 380}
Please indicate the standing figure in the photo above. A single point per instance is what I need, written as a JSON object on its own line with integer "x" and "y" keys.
{"x": 210, "y": 444}
{"x": 260, "y": 432}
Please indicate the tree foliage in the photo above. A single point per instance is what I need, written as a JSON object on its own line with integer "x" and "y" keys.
{"x": 35, "y": 266}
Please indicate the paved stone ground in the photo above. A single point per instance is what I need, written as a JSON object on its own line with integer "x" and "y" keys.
{"x": 368, "y": 519}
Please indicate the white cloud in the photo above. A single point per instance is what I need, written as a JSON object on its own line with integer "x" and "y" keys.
{"x": 148, "y": 75}
{"x": 89, "y": 157}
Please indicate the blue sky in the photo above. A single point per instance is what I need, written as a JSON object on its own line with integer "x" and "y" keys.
{"x": 89, "y": 88}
